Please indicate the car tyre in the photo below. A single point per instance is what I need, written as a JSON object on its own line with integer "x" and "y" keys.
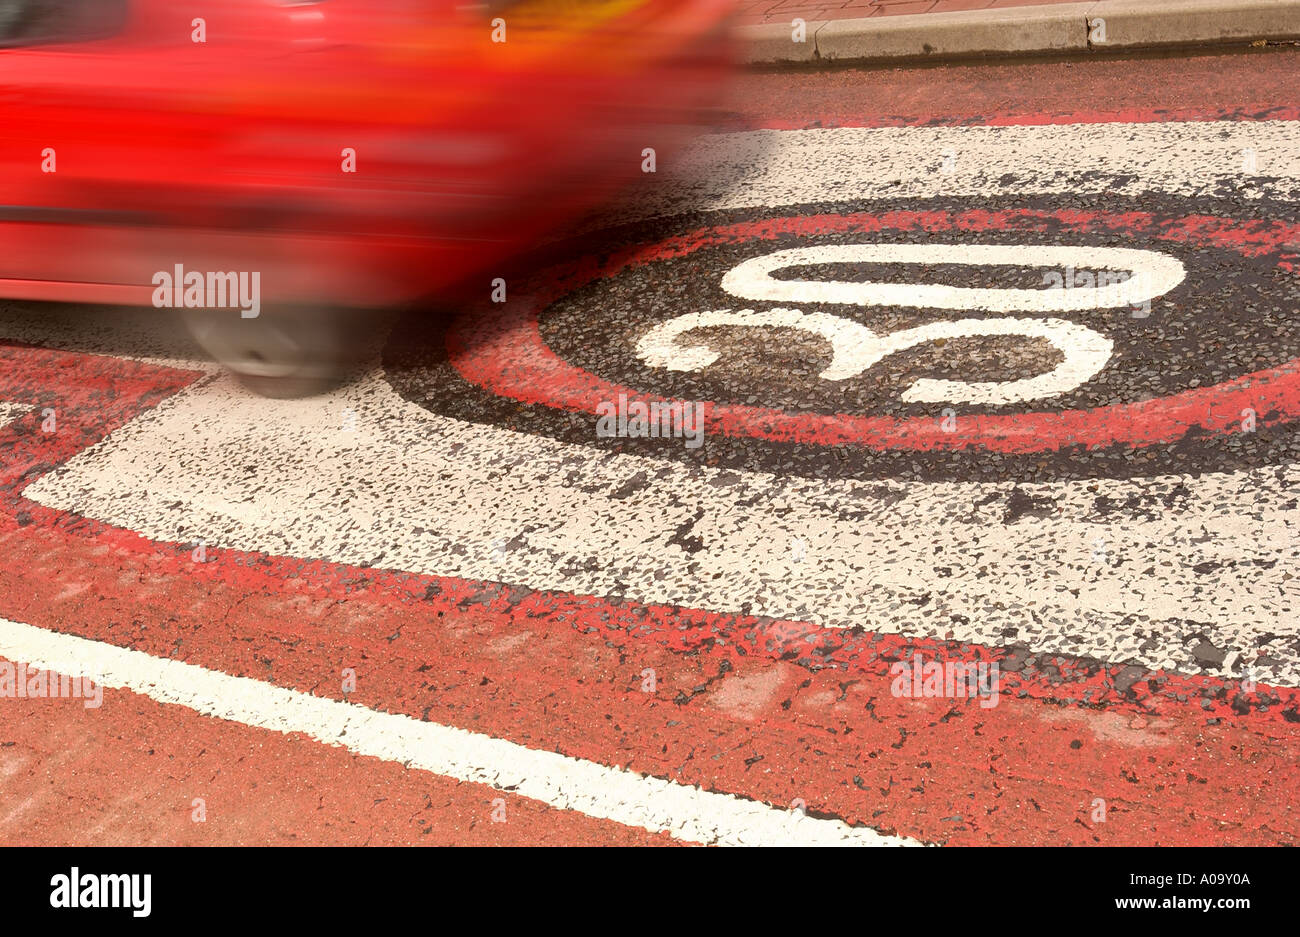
{"x": 283, "y": 353}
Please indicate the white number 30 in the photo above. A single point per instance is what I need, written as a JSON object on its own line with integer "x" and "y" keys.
{"x": 855, "y": 348}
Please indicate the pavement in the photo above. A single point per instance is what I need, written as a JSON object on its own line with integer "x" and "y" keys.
{"x": 887, "y": 31}
{"x": 950, "y": 538}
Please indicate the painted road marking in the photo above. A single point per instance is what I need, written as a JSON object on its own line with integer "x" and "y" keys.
{"x": 11, "y": 411}
{"x": 1225, "y": 342}
{"x": 448, "y": 493}
{"x": 855, "y": 348}
{"x": 275, "y": 619}
{"x": 803, "y": 713}
{"x": 417, "y": 491}
{"x": 1150, "y": 274}
{"x": 688, "y": 813}
{"x": 769, "y": 168}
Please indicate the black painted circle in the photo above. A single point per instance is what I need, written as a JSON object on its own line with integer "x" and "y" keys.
{"x": 1233, "y": 314}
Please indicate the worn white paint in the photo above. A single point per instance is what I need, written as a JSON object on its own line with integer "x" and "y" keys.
{"x": 855, "y": 348}
{"x": 415, "y": 491}
{"x": 650, "y": 803}
{"x": 1152, "y": 274}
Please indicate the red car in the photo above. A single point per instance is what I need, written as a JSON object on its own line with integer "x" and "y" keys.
{"x": 266, "y": 166}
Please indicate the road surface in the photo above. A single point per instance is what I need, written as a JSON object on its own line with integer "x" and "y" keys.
{"x": 969, "y": 516}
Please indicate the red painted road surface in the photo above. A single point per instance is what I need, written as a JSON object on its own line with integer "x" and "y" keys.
{"x": 777, "y": 712}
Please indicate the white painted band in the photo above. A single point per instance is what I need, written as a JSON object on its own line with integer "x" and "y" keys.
{"x": 651, "y": 803}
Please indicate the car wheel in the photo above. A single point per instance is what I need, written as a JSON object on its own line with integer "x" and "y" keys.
{"x": 283, "y": 352}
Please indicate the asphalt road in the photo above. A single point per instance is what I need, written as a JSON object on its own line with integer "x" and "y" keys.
{"x": 913, "y": 460}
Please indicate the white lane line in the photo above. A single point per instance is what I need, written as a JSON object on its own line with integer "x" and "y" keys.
{"x": 650, "y": 803}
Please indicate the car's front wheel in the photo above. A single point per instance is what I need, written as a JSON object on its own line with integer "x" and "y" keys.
{"x": 284, "y": 352}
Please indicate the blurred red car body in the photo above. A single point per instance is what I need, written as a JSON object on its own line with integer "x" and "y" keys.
{"x": 128, "y": 146}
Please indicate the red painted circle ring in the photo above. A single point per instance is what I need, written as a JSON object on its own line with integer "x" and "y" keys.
{"x": 504, "y": 352}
